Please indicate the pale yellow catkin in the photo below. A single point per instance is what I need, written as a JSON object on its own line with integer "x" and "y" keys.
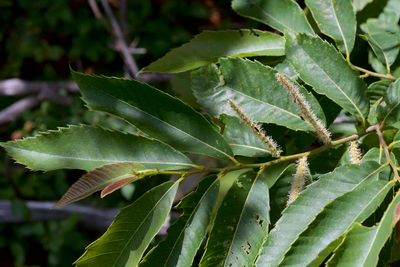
{"x": 304, "y": 109}
{"x": 355, "y": 153}
{"x": 261, "y": 134}
{"x": 299, "y": 179}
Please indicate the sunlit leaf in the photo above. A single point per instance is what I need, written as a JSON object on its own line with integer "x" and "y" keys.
{"x": 362, "y": 245}
{"x": 155, "y": 113}
{"x": 337, "y": 20}
{"x": 240, "y": 224}
{"x": 300, "y": 213}
{"x": 132, "y": 230}
{"x": 279, "y": 14}
{"x": 322, "y": 236}
{"x": 85, "y": 147}
{"x": 208, "y": 46}
{"x": 321, "y": 66}
{"x": 254, "y": 89}
{"x": 185, "y": 236}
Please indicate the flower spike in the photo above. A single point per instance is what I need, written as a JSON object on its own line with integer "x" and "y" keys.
{"x": 304, "y": 109}
{"x": 355, "y": 153}
{"x": 299, "y": 179}
{"x": 272, "y": 145}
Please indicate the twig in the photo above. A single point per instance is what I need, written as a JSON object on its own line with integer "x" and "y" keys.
{"x": 387, "y": 153}
{"x": 371, "y": 73}
{"x": 97, "y": 14}
{"x": 120, "y": 41}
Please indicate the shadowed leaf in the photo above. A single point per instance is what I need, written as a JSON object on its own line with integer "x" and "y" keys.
{"x": 155, "y": 113}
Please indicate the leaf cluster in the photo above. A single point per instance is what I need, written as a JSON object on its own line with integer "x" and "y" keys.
{"x": 348, "y": 211}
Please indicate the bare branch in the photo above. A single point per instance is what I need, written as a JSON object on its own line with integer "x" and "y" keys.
{"x": 90, "y": 216}
{"x": 120, "y": 41}
{"x": 98, "y": 15}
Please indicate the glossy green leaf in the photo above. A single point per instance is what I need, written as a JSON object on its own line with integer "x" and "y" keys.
{"x": 98, "y": 179}
{"x": 185, "y": 236}
{"x": 362, "y": 245}
{"x": 208, "y": 46}
{"x": 337, "y": 20}
{"x": 279, "y": 14}
{"x": 240, "y": 224}
{"x": 242, "y": 139}
{"x": 321, "y": 66}
{"x": 384, "y": 40}
{"x": 132, "y": 230}
{"x": 254, "y": 89}
{"x": 300, "y": 213}
{"x": 85, "y": 147}
{"x": 155, "y": 113}
{"x": 390, "y": 113}
{"x": 324, "y": 233}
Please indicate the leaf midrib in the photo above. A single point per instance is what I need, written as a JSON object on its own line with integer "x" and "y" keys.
{"x": 96, "y": 160}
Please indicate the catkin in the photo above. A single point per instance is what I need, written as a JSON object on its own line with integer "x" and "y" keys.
{"x": 261, "y": 134}
{"x": 304, "y": 109}
{"x": 298, "y": 179}
{"x": 355, "y": 153}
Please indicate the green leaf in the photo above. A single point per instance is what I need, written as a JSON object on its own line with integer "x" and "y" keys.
{"x": 377, "y": 89}
{"x": 390, "y": 114}
{"x": 240, "y": 224}
{"x": 242, "y": 139}
{"x": 321, "y": 66}
{"x": 132, "y": 230}
{"x": 301, "y": 212}
{"x": 384, "y": 40}
{"x": 254, "y": 89}
{"x": 185, "y": 236}
{"x": 337, "y": 20}
{"x": 279, "y": 14}
{"x": 208, "y": 46}
{"x": 99, "y": 179}
{"x": 85, "y": 147}
{"x": 323, "y": 234}
{"x": 370, "y": 10}
{"x": 362, "y": 245}
{"x": 155, "y": 113}
{"x": 391, "y": 12}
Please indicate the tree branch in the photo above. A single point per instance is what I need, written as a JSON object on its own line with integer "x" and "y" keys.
{"x": 90, "y": 216}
